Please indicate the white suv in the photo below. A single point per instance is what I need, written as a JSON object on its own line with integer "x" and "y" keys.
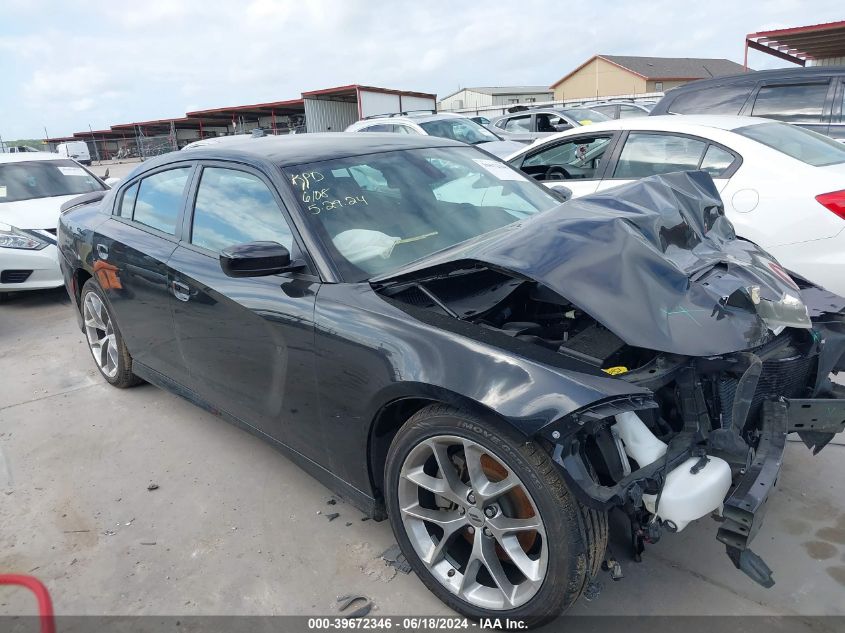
{"x": 442, "y": 124}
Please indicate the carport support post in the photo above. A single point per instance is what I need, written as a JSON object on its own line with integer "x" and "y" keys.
{"x": 138, "y": 141}
{"x": 94, "y": 141}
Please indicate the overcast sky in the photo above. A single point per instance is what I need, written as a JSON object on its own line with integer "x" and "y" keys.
{"x": 65, "y": 65}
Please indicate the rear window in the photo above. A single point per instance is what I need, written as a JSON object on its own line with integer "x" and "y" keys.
{"x": 718, "y": 100}
{"x": 800, "y": 143}
{"x": 793, "y": 103}
{"x": 28, "y": 180}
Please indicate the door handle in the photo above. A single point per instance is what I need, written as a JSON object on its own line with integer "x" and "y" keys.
{"x": 180, "y": 291}
{"x": 103, "y": 251}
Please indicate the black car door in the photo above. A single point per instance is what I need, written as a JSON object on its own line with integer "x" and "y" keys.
{"x": 248, "y": 343}
{"x": 130, "y": 254}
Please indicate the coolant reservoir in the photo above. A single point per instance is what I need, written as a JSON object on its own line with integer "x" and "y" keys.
{"x": 640, "y": 443}
{"x": 687, "y": 496}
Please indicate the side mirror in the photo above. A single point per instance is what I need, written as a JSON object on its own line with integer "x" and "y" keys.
{"x": 257, "y": 259}
{"x": 561, "y": 192}
{"x": 562, "y": 127}
{"x": 106, "y": 175}
{"x": 111, "y": 182}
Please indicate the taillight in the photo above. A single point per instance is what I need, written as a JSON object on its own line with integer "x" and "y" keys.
{"x": 835, "y": 201}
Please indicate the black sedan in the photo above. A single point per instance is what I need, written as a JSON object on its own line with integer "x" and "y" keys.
{"x": 443, "y": 343}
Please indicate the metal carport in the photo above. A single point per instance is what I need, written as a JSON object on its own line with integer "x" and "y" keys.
{"x": 819, "y": 44}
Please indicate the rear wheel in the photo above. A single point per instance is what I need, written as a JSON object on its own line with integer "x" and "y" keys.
{"x": 104, "y": 340}
{"x": 485, "y": 519}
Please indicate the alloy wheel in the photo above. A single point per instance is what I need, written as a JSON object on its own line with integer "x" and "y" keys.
{"x": 100, "y": 334}
{"x": 473, "y": 523}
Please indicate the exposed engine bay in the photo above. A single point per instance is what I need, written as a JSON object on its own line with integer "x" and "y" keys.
{"x": 734, "y": 353}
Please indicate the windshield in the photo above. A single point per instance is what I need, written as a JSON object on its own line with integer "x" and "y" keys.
{"x": 805, "y": 145}
{"x": 27, "y": 180}
{"x": 463, "y": 130}
{"x": 378, "y": 212}
{"x": 585, "y": 115}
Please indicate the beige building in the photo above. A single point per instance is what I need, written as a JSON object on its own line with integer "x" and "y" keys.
{"x": 614, "y": 75}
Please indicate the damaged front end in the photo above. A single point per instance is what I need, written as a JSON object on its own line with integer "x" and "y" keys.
{"x": 649, "y": 285}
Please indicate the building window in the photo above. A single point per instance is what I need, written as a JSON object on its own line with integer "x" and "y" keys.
{"x": 530, "y": 100}
{"x": 513, "y": 100}
{"x": 658, "y": 86}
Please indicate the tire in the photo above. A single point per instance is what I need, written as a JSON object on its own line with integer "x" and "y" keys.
{"x": 104, "y": 340}
{"x": 572, "y": 538}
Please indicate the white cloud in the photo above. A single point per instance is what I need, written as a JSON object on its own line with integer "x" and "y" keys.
{"x": 79, "y": 81}
{"x": 103, "y": 62}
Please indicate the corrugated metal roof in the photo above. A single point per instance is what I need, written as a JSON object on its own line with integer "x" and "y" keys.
{"x": 676, "y": 67}
{"x": 800, "y": 43}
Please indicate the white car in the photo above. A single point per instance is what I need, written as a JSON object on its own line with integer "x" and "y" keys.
{"x": 33, "y": 186}
{"x": 783, "y": 186}
{"x": 442, "y": 124}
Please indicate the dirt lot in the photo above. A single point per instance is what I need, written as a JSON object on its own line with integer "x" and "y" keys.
{"x": 235, "y": 528}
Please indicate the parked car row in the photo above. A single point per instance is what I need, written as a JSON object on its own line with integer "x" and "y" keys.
{"x": 432, "y": 334}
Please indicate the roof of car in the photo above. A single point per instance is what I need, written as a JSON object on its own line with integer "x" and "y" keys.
{"x": 415, "y": 117}
{"x": 760, "y": 75}
{"x": 667, "y": 123}
{"x": 20, "y": 157}
{"x": 297, "y": 149}
{"x": 674, "y": 122}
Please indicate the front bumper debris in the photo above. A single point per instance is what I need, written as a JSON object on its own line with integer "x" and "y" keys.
{"x": 817, "y": 420}
{"x": 745, "y": 508}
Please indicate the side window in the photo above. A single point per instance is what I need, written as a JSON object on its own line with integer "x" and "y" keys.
{"x": 716, "y": 100}
{"x": 577, "y": 158}
{"x": 377, "y": 128}
{"x": 404, "y": 129}
{"x": 649, "y": 154}
{"x": 127, "y": 202}
{"x": 234, "y": 207}
{"x": 793, "y": 103}
{"x": 544, "y": 122}
{"x": 716, "y": 161}
{"x": 607, "y": 110}
{"x": 160, "y": 198}
{"x": 518, "y": 124}
{"x": 626, "y": 112}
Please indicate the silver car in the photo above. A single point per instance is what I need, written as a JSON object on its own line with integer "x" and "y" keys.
{"x": 531, "y": 124}
{"x": 443, "y": 124}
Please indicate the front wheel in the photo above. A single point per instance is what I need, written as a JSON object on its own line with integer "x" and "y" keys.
{"x": 104, "y": 339}
{"x": 485, "y": 519}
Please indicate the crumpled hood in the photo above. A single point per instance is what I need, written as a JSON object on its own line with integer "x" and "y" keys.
{"x": 655, "y": 261}
{"x": 38, "y": 213}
